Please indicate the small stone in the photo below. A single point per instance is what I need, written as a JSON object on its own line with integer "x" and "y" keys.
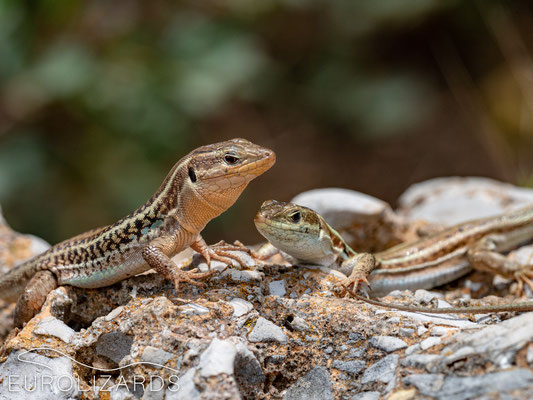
{"x": 156, "y": 357}
{"x": 315, "y": 385}
{"x": 440, "y": 331}
{"x": 248, "y": 370}
{"x": 352, "y": 367}
{"x": 21, "y": 368}
{"x": 393, "y": 320}
{"x": 246, "y": 276}
{"x": 430, "y": 342}
{"x": 185, "y": 389}
{"x": 240, "y": 307}
{"x": 423, "y": 296}
{"x": 411, "y": 349}
{"x": 277, "y": 288}
{"x": 387, "y": 343}
{"x": 419, "y": 360}
{"x": 407, "y": 332}
{"x": 50, "y": 326}
{"x": 218, "y": 358}
{"x": 355, "y": 336}
{"x": 194, "y": 309}
{"x": 382, "y": 371}
{"x": 266, "y": 331}
{"x": 357, "y": 353}
{"x": 114, "y": 345}
{"x": 113, "y": 314}
{"x": 421, "y": 330}
{"x": 299, "y": 324}
{"x": 529, "y": 355}
{"x": 367, "y": 396}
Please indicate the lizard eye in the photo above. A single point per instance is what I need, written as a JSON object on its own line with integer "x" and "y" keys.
{"x": 231, "y": 159}
{"x": 296, "y": 217}
{"x": 192, "y": 175}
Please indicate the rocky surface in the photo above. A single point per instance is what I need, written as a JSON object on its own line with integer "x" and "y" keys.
{"x": 275, "y": 332}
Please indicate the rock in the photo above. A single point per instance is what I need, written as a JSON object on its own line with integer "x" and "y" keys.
{"x": 240, "y": 307}
{"x": 219, "y": 358}
{"x": 50, "y": 378}
{"x": 266, "y": 331}
{"x": 277, "y": 288}
{"x": 387, "y": 343}
{"x": 50, "y": 326}
{"x": 186, "y": 388}
{"x": 315, "y": 385}
{"x": 367, "y": 396}
{"x": 424, "y": 296}
{"x": 352, "y": 367}
{"x": 449, "y": 201}
{"x": 419, "y": 360}
{"x": 382, "y": 371}
{"x": 430, "y": 342}
{"x": 448, "y": 387}
{"x": 248, "y": 370}
{"x": 114, "y": 345}
{"x": 156, "y": 357}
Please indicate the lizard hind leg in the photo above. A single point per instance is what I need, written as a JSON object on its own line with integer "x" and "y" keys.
{"x": 34, "y": 296}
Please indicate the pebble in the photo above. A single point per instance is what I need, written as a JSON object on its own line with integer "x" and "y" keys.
{"x": 266, "y": 331}
{"x": 462, "y": 388}
{"x": 387, "y": 343}
{"x": 529, "y": 355}
{"x": 366, "y": 396}
{"x": 240, "y": 307}
{"x": 411, "y": 349}
{"x": 424, "y": 296}
{"x": 186, "y": 388}
{"x": 277, "y": 288}
{"x": 193, "y": 309}
{"x": 382, "y": 371}
{"x": 50, "y": 326}
{"x": 218, "y": 358}
{"x": 315, "y": 385}
{"x": 440, "y": 331}
{"x": 29, "y": 365}
{"x": 247, "y": 368}
{"x": 113, "y": 314}
{"x": 153, "y": 355}
{"x": 407, "y": 332}
{"x": 430, "y": 342}
{"x": 352, "y": 367}
{"x": 419, "y": 360}
{"x": 114, "y": 345}
{"x": 421, "y": 330}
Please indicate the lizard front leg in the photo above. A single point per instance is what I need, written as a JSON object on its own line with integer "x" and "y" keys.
{"x": 156, "y": 254}
{"x": 32, "y": 299}
{"x": 358, "y": 267}
{"x": 484, "y": 256}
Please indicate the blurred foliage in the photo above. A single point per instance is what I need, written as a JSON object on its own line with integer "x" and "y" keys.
{"x": 98, "y": 99}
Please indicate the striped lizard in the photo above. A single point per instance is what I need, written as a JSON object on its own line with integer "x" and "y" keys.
{"x": 199, "y": 187}
{"x": 431, "y": 261}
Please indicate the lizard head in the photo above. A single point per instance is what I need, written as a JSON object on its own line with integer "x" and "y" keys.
{"x": 214, "y": 176}
{"x": 299, "y": 232}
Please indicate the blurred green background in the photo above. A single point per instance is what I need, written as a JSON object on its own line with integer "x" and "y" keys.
{"x": 98, "y": 99}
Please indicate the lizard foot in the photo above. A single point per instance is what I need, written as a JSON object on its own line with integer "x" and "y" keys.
{"x": 192, "y": 276}
{"x": 524, "y": 277}
{"x": 354, "y": 281}
{"x": 230, "y": 253}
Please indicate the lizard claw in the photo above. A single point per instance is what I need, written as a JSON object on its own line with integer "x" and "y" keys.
{"x": 229, "y": 253}
{"x": 191, "y": 277}
{"x": 523, "y": 277}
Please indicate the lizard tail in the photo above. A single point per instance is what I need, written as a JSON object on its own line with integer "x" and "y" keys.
{"x": 12, "y": 283}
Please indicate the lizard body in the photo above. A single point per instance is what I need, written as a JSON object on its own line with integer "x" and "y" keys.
{"x": 428, "y": 262}
{"x": 199, "y": 187}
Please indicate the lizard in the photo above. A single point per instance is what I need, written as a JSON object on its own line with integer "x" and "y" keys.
{"x": 199, "y": 187}
{"x": 431, "y": 261}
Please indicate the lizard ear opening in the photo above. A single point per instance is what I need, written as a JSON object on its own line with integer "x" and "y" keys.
{"x": 192, "y": 175}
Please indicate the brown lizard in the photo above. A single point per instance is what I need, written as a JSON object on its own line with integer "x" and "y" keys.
{"x": 199, "y": 187}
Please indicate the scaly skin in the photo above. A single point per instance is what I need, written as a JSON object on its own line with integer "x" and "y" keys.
{"x": 432, "y": 261}
{"x": 200, "y": 186}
